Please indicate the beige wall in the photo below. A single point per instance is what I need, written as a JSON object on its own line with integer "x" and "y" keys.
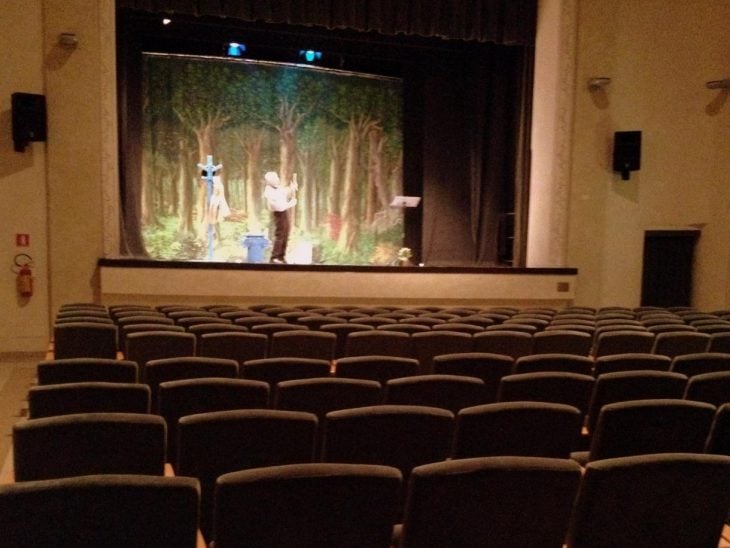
{"x": 23, "y": 322}
{"x": 658, "y": 53}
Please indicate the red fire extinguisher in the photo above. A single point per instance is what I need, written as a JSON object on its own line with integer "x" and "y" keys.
{"x": 24, "y": 275}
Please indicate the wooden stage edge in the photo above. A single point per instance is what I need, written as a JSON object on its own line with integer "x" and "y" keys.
{"x": 155, "y": 282}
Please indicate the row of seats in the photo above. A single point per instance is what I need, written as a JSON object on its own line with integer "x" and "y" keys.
{"x": 653, "y": 500}
{"x": 403, "y": 437}
{"x": 581, "y": 337}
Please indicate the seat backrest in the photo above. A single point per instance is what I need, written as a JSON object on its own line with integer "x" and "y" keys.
{"x": 639, "y": 427}
{"x": 702, "y": 362}
{"x": 375, "y": 368}
{"x": 378, "y": 343}
{"x": 156, "y": 372}
{"x": 145, "y": 346}
{"x": 507, "y": 342}
{"x": 563, "y": 342}
{"x": 101, "y": 510}
{"x": 316, "y": 504}
{"x": 234, "y": 346}
{"x": 275, "y": 370}
{"x": 180, "y": 398}
{"x": 87, "y": 397}
{"x": 633, "y": 385}
{"x": 712, "y": 388}
{"x": 652, "y": 500}
{"x": 718, "y": 442}
{"x": 719, "y": 342}
{"x": 430, "y": 344}
{"x": 341, "y": 330}
{"x": 632, "y": 361}
{"x": 84, "y": 340}
{"x": 490, "y": 502}
{"x": 303, "y": 344}
{"x": 675, "y": 344}
{"x": 89, "y": 443}
{"x": 552, "y": 387}
{"x": 452, "y": 392}
{"x": 529, "y": 429}
{"x": 569, "y": 363}
{"x": 86, "y": 369}
{"x": 213, "y": 444}
{"x": 403, "y": 436}
{"x": 482, "y": 365}
{"x": 623, "y": 341}
{"x": 322, "y": 395}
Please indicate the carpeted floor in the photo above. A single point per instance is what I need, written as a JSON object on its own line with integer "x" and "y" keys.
{"x": 17, "y": 375}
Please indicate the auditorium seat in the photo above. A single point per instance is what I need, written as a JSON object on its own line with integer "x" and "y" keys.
{"x": 652, "y": 500}
{"x": 275, "y": 370}
{"x": 633, "y": 385}
{"x": 452, "y": 392}
{"x": 145, "y": 346}
{"x": 303, "y": 344}
{"x": 490, "y": 502}
{"x": 378, "y": 343}
{"x": 427, "y": 345}
{"x": 341, "y": 330}
{"x": 89, "y": 443}
{"x": 101, "y": 510}
{"x": 375, "y": 367}
{"x": 237, "y": 346}
{"x": 402, "y": 436}
{"x": 718, "y": 441}
{"x": 507, "y": 342}
{"x": 156, "y": 372}
{"x": 713, "y": 388}
{"x": 562, "y": 341}
{"x": 490, "y": 368}
{"x": 213, "y": 444}
{"x": 179, "y": 398}
{"x": 529, "y": 429}
{"x": 675, "y": 344}
{"x": 552, "y": 387}
{"x": 632, "y": 361}
{"x": 316, "y": 504}
{"x": 86, "y": 370}
{"x": 84, "y": 340}
{"x": 623, "y": 341}
{"x": 87, "y": 397}
{"x": 701, "y": 362}
{"x": 569, "y": 363}
{"x": 640, "y": 427}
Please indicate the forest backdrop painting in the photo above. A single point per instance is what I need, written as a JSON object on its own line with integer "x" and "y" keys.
{"x": 339, "y": 132}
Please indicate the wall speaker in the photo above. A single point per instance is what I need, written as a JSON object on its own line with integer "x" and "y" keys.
{"x": 28, "y": 118}
{"x": 626, "y": 152}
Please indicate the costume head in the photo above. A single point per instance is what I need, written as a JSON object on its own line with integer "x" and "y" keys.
{"x": 272, "y": 178}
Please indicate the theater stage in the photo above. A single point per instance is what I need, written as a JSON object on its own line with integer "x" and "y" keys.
{"x": 155, "y": 282}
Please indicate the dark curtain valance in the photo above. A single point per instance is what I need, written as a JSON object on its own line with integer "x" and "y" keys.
{"x": 509, "y": 22}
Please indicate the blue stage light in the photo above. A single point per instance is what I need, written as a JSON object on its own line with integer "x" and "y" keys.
{"x": 235, "y": 49}
{"x": 310, "y": 55}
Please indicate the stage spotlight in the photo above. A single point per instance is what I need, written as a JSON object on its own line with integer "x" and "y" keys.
{"x": 235, "y": 49}
{"x": 310, "y": 55}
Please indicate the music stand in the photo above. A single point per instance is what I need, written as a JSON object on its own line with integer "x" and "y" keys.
{"x": 405, "y": 201}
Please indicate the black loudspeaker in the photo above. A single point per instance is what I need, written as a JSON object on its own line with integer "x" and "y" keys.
{"x": 29, "y": 119}
{"x": 626, "y": 152}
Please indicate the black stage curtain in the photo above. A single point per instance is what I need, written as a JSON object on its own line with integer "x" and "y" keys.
{"x": 510, "y": 22}
{"x": 468, "y": 92}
